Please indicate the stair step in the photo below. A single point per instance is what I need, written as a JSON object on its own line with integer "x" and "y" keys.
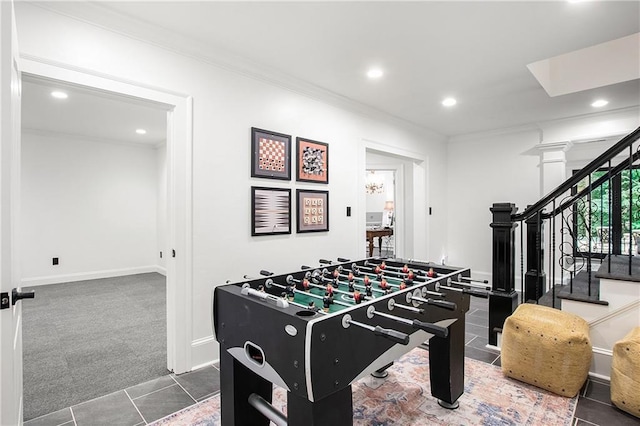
{"x": 619, "y": 269}
{"x": 578, "y": 290}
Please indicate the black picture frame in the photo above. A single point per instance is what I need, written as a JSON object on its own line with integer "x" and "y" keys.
{"x": 270, "y": 211}
{"x": 312, "y": 214}
{"x": 312, "y": 161}
{"x": 270, "y": 154}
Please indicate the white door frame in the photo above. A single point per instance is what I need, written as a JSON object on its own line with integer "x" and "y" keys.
{"x": 179, "y": 192}
{"x": 11, "y": 316}
{"x": 412, "y": 231}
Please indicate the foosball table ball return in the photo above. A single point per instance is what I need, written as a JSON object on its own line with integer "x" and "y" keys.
{"x": 315, "y": 332}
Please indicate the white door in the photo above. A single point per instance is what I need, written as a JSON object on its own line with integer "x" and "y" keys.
{"x": 10, "y": 315}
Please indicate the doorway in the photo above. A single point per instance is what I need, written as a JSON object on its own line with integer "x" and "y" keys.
{"x": 93, "y": 227}
{"x": 380, "y": 190}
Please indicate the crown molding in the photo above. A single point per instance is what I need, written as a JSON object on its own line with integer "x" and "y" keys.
{"x": 84, "y": 138}
{"x": 103, "y": 17}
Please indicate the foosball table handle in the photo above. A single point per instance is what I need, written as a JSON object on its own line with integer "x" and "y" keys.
{"x": 477, "y": 293}
{"x": 443, "y": 304}
{"x": 394, "y": 335}
{"x": 434, "y": 329}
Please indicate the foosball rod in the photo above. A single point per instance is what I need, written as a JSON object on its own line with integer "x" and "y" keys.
{"x": 397, "y": 274}
{"x": 267, "y": 410}
{"x": 432, "y": 302}
{"x": 394, "y": 335}
{"x": 290, "y": 280}
{"x": 473, "y": 280}
{"x": 482, "y": 287}
{"x": 397, "y": 268}
{"x": 434, "y": 329}
{"x": 270, "y": 283}
{"x": 321, "y": 276}
{"x": 357, "y": 272}
{"x": 469, "y": 291}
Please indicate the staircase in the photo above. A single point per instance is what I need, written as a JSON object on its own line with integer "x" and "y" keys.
{"x": 579, "y": 249}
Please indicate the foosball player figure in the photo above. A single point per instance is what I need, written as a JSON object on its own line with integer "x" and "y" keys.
{"x": 290, "y": 293}
{"x": 368, "y": 290}
{"x": 329, "y": 290}
{"x": 357, "y": 297}
{"x": 336, "y": 273}
{"x": 403, "y": 285}
{"x": 383, "y": 265}
{"x": 383, "y": 284}
{"x": 351, "y": 287}
{"x": 305, "y": 285}
{"x": 366, "y": 280}
{"x": 405, "y": 268}
{"x": 431, "y": 273}
{"x": 378, "y": 270}
{"x": 335, "y": 283}
{"x": 351, "y": 277}
{"x": 312, "y": 306}
{"x": 410, "y": 274}
{"x": 327, "y": 300}
{"x": 407, "y": 282}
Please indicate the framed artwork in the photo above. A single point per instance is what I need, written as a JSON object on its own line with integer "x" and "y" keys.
{"x": 312, "y": 210}
{"x": 270, "y": 154}
{"x": 270, "y": 211}
{"x": 313, "y": 161}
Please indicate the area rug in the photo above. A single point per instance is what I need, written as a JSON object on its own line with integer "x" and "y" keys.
{"x": 404, "y": 399}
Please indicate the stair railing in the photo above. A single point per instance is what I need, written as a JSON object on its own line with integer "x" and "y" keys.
{"x": 569, "y": 224}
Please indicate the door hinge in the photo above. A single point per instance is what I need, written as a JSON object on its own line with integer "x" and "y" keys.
{"x": 173, "y": 252}
{"x": 5, "y": 303}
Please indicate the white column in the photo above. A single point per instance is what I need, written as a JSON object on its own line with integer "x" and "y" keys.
{"x": 553, "y": 165}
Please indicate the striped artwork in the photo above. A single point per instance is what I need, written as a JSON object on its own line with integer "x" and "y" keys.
{"x": 271, "y": 211}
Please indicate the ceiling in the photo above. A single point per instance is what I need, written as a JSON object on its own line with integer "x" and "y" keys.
{"x": 90, "y": 114}
{"x": 477, "y": 52}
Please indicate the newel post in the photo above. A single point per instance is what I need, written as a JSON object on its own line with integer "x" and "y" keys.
{"x": 503, "y": 299}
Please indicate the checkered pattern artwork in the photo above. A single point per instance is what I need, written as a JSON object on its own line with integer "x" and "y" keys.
{"x": 270, "y": 154}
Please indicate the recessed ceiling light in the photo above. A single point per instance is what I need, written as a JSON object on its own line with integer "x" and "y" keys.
{"x": 449, "y": 102}
{"x": 141, "y": 131}
{"x": 375, "y": 73}
{"x": 59, "y": 95}
{"x": 599, "y": 103}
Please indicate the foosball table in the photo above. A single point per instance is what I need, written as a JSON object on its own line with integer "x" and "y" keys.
{"x": 314, "y": 332}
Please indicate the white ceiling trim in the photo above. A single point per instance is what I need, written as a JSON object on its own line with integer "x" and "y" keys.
{"x": 84, "y": 138}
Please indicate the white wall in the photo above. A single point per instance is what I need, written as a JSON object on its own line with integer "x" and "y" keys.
{"x": 482, "y": 171}
{"x": 226, "y": 106}
{"x": 92, "y": 205}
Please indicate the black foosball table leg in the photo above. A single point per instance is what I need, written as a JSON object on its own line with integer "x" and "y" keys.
{"x": 335, "y": 410}
{"x": 446, "y": 366}
{"x": 237, "y": 383}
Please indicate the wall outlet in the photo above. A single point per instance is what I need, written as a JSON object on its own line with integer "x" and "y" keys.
{"x": 55, "y": 261}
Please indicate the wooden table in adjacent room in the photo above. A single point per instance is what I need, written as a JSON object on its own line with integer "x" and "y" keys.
{"x": 373, "y": 233}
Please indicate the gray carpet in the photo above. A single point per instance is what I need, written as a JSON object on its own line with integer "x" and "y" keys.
{"x": 87, "y": 339}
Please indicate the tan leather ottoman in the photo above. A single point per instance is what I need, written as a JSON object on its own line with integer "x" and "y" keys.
{"x": 625, "y": 373}
{"x": 547, "y": 348}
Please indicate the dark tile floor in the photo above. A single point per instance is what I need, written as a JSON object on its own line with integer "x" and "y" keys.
{"x": 140, "y": 404}
{"x": 147, "y": 402}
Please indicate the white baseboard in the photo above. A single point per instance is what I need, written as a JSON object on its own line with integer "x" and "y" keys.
{"x": 601, "y": 363}
{"x": 204, "y": 352}
{"x": 82, "y": 276}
